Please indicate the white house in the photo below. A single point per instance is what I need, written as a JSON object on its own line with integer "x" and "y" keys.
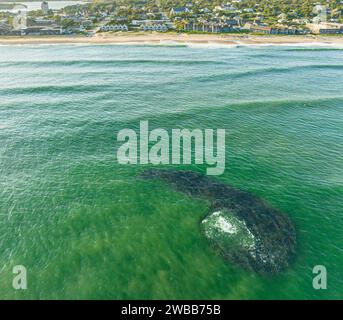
{"x": 116, "y": 27}
{"x": 154, "y": 27}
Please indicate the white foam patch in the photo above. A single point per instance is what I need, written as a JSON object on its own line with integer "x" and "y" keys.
{"x": 225, "y": 226}
{"x": 218, "y": 223}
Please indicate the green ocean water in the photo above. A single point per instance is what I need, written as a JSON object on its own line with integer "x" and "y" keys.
{"x": 86, "y": 227}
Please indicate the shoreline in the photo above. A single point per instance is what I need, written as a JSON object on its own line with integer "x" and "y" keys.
{"x": 174, "y": 38}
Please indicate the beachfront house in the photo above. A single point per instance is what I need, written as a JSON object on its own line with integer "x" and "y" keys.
{"x": 40, "y": 21}
{"x": 154, "y": 27}
{"x": 212, "y": 27}
{"x": 331, "y": 31}
{"x": 51, "y": 31}
{"x": 4, "y": 29}
{"x": 149, "y": 22}
{"x": 287, "y": 31}
{"x": 260, "y": 29}
{"x": 7, "y": 31}
{"x": 116, "y": 27}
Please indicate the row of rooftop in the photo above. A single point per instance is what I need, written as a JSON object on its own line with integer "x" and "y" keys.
{"x": 222, "y": 18}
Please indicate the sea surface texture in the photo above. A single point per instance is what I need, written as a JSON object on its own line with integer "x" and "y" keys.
{"x": 86, "y": 227}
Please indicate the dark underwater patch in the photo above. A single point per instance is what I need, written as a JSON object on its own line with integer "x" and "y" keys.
{"x": 273, "y": 232}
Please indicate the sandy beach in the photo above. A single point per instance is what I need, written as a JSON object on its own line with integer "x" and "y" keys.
{"x": 161, "y": 38}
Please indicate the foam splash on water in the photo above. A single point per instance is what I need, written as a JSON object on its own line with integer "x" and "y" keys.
{"x": 222, "y": 224}
{"x": 223, "y": 227}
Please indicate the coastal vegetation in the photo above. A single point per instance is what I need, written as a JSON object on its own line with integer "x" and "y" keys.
{"x": 197, "y": 16}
